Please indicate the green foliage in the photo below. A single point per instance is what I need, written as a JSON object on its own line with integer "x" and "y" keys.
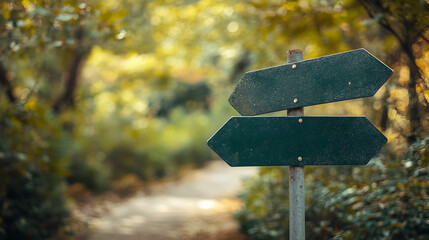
{"x": 267, "y": 210}
{"x": 148, "y": 148}
{"x": 32, "y": 167}
{"x": 385, "y": 200}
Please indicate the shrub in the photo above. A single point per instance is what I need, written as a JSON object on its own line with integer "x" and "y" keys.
{"x": 32, "y": 166}
{"x": 385, "y": 200}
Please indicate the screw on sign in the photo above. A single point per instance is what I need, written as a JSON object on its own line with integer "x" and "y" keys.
{"x": 295, "y": 140}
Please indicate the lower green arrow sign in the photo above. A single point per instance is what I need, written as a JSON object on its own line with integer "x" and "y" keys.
{"x": 297, "y": 141}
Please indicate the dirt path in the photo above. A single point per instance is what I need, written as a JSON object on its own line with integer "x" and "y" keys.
{"x": 196, "y": 207}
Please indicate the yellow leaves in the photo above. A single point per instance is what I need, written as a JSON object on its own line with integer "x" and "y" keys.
{"x": 423, "y": 64}
{"x": 392, "y": 114}
{"x": 291, "y": 6}
{"x": 426, "y": 94}
{"x": 333, "y": 188}
{"x": 127, "y": 96}
{"x": 174, "y": 138}
{"x": 140, "y": 106}
{"x": 240, "y": 8}
{"x": 332, "y": 35}
{"x": 389, "y": 43}
{"x": 100, "y": 59}
{"x": 110, "y": 66}
{"x": 97, "y": 87}
{"x": 119, "y": 82}
{"x": 133, "y": 64}
{"x": 110, "y": 13}
{"x": 106, "y": 103}
{"x": 396, "y": 225}
{"x": 347, "y": 235}
{"x": 400, "y": 97}
{"x": 348, "y": 108}
{"x": 404, "y": 75}
{"x": 191, "y": 12}
{"x": 304, "y": 4}
{"x": 5, "y": 12}
{"x": 30, "y": 105}
{"x": 233, "y": 27}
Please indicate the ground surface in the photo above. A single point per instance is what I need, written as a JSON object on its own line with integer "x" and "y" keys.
{"x": 199, "y": 206}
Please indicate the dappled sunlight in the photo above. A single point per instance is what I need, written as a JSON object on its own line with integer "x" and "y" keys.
{"x": 189, "y": 206}
{"x": 219, "y": 205}
{"x": 206, "y": 204}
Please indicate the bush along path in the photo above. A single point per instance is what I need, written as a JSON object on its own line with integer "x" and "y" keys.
{"x": 386, "y": 200}
{"x": 199, "y": 206}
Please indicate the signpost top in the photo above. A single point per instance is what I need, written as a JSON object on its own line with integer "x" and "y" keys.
{"x": 342, "y": 76}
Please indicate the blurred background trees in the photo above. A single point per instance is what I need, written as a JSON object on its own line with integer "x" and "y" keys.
{"x": 95, "y": 93}
{"x": 407, "y": 22}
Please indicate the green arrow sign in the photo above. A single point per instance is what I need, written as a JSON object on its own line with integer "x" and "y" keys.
{"x": 297, "y": 141}
{"x": 337, "y": 77}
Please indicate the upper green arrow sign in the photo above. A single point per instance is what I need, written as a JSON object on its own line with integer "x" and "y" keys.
{"x": 342, "y": 76}
{"x": 297, "y": 141}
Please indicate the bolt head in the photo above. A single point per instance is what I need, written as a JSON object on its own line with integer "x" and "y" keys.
{"x": 300, "y": 120}
{"x": 295, "y": 100}
{"x": 294, "y": 66}
{"x": 300, "y": 159}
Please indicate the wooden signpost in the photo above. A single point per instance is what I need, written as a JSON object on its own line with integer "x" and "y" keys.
{"x": 296, "y": 140}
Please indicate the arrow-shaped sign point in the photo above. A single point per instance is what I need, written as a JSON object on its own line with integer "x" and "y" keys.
{"x": 297, "y": 141}
{"x": 342, "y": 76}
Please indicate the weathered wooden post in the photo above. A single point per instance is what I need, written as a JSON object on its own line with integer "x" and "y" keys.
{"x": 296, "y": 178}
{"x": 297, "y": 140}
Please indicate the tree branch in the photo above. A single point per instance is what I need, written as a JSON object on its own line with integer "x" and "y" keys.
{"x": 424, "y": 37}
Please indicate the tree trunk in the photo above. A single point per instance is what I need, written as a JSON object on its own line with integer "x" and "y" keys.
{"x": 413, "y": 102}
{"x": 6, "y": 85}
{"x": 67, "y": 98}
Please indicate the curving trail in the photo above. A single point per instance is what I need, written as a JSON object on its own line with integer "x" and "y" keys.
{"x": 199, "y": 206}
